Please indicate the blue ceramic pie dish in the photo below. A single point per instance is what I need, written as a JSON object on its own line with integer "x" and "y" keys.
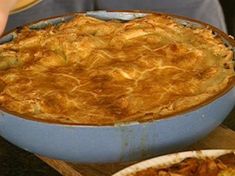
{"x": 120, "y": 142}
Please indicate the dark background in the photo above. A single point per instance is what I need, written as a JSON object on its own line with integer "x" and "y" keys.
{"x": 229, "y": 13}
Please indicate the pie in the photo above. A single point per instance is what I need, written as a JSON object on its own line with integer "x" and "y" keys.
{"x": 221, "y": 166}
{"x": 90, "y": 71}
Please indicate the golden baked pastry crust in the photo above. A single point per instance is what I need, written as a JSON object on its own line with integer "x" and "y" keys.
{"x": 89, "y": 71}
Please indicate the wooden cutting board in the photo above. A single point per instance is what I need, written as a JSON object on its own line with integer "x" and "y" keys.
{"x": 220, "y": 138}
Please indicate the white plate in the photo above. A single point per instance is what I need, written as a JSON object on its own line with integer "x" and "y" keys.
{"x": 167, "y": 160}
{"x": 22, "y": 5}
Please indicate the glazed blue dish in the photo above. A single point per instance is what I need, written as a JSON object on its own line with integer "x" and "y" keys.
{"x": 121, "y": 142}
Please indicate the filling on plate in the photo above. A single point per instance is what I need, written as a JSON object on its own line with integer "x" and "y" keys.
{"x": 90, "y": 71}
{"x": 221, "y": 166}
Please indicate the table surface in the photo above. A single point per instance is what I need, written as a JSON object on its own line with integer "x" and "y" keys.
{"x": 16, "y": 162}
